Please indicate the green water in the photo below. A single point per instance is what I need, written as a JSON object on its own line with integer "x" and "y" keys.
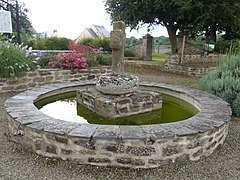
{"x": 64, "y": 106}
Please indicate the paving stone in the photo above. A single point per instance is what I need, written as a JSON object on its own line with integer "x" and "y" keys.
{"x": 62, "y": 128}
{"x": 131, "y": 132}
{"x": 106, "y": 132}
{"x": 40, "y": 125}
{"x": 156, "y": 132}
{"x": 23, "y": 113}
{"x": 178, "y": 129}
{"x": 31, "y": 119}
{"x": 198, "y": 125}
{"x": 84, "y": 130}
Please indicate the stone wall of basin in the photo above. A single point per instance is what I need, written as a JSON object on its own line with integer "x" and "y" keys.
{"x": 50, "y": 76}
{"x": 145, "y": 146}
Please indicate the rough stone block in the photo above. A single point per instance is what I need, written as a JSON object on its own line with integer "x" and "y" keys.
{"x": 172, "y": 150}
{"x": 58, "y": 139}
{"x": 115, "y": 148}
{"x": 51, "y": 149}
{"x": 85, "y": 144}
{"x": 132, "y": 161}
{"x": 66, "y": 151}
{"x": 140, "y": 150}
{"x": 159, "y": 161}
{"x": 98, "y": 160}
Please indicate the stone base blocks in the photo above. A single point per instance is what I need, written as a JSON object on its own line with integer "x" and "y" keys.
{"x": 145, "y": 146}
{"x": 114, "y": 106}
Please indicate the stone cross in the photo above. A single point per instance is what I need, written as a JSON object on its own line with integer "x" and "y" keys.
{"x": 117, "y": 43}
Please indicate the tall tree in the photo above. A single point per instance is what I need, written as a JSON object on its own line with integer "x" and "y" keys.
{"x": 212, "y": 16}
{"x": 189, "y": 16}
{"x": 25, "y": 24}
{"x": 168, "y": 13}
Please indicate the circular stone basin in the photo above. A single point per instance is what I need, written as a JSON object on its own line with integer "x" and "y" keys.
{"x": 143, "y": 146}
{"x": 65, "y": 107}
{"x": 117, "y": 84}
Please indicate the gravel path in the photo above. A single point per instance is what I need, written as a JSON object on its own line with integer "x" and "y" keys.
{"x": 17, "y": 163}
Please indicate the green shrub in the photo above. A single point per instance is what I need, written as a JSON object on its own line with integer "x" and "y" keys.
{"x": 158, "y": 56}
{"x": 226, "y": 45}
{"x": 103, "y": 43}
{"x": 224, "y": 82}
{"x": 97, "y": 43}
{"x": 87, "y": 41}
{"x": 236, "y": 105}
{"x": 93, "y": 59}
{"x": 105, "y": 59}
{"x": 129, "y": 53}
{"x": 44, "y": 61}
{"x": 14, "y": 60}
{"x": 52, "y": 43}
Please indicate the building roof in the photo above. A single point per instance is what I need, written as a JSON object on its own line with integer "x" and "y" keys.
{"x": 94, "y": 35}
{"x": 102, "y": 30}
{"x": 95, "y": 31}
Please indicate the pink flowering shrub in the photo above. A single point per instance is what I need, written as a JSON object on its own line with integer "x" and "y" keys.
{"x": 80, "y": 48}
{"x": 77, "y": 59}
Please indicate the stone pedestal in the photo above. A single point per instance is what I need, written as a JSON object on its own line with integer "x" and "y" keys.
{"x": 114, "y": 106}
{"x": 117, "y": 84}
{"x": 116, "y": 95}
{"x": 147, "y": 47}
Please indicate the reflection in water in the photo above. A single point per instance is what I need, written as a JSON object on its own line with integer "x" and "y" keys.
{"x": 64, "y": 110}
{"x": 65, "y": 107}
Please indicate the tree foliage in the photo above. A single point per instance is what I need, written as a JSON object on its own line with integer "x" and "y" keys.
{"x": 52, "y": 43}
{"x": 214, "y": 16}
{"x": 26, "y": 28}
{"x": 97, "y": 43}
{"x": 189, "y": 16}
{"x": 133, "y": 41}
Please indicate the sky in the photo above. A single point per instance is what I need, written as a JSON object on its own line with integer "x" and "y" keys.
{"x": 71, "y": 17}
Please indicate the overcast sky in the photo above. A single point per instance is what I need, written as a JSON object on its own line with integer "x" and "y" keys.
{"x": 71, "y": 17}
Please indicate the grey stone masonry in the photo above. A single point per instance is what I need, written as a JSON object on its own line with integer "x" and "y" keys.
{"x": 145, "y": 146}
{"x": 50, "y": 76}
{"x": 147, "y": 47}
{"x": 117, "y": 43}
{"x": 115, "y": 106}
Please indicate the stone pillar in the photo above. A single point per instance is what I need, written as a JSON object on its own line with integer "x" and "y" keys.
{"x": 117, "y": 43}
{"x": 147, "y": 47}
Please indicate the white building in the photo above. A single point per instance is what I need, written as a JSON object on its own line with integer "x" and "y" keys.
{"x": 95, "y": 31}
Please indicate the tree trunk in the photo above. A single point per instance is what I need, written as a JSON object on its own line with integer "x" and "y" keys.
{"x": 213, "y": 35}
{"x": 172, "y": 30}
{"x": 207, "y": 35}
